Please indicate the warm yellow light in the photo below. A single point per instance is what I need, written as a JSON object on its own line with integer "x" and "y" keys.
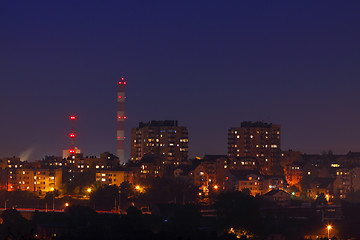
{"x": 216, "y": 187}
{"x": 199, "y": 193}
{"x": 137, "y": 187}
{"x": 329, "y": 227}
{"x": 89, "y": 190}
{"x": 66, "y": 204}
{"x": 52, "y": 189}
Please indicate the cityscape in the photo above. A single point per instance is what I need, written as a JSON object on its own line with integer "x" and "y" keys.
{"x": 180, "y": 121}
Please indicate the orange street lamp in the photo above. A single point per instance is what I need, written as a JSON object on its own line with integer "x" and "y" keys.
{"x": 89, "y": 190}
{"x": 328, "y": 229}
{"x": 66, "y": 204}
{"x": 216, "y": 187}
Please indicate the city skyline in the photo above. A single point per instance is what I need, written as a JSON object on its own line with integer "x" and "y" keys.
{"x": 210, "y": 66}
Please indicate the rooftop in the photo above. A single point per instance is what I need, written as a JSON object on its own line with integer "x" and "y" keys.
{"x": 154, "y": 123}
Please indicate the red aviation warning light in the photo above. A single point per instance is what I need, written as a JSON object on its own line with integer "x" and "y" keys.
{"x": 72, "y": 151}
{"x": 72, "y": 135}
{"x": 72, "y": 117}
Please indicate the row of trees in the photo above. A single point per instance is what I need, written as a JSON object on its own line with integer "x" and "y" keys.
{"x": 158, "y": 191}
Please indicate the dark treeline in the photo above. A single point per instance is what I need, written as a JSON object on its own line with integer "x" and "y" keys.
{"x": 238, "y": 215}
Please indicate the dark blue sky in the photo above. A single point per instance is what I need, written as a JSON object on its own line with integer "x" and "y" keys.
{"x": 208, "y": 64}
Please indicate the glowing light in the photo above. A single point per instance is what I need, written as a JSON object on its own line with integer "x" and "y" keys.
{"x": 119, "y": 96}
{"x": 120, "y": 82}
{"x": 119, "y": 117}
{"x": 72, "y": 151}
{"x": 124, "y": 83}
{"x": 125, "y": 117}
{"x": 72, "y": 135}
{"x": 216, "y": 187}
{"x": 122, "y": 78}
{"x": 137, "y": 187}
{"x": 328, "y": 229}
{"x": 72, "y": 117}
{"x": 66, "y": 204}
{"x": 89, "y": 190}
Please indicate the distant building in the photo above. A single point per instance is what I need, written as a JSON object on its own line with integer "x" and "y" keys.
{"x": 162, "y": 138}
{"x": 36, "y": 180}
{"x": 10, "y": 163}
{"x": 256, "y": 139}
{"x": 245, "y": 163}
{"x": 293, "y": 173}
{"x": 108, "y": 177}
{"x": 238, "y": 180}
{"x": 210, "y": 171}
{"x": 279, "y": 196}
{"x": 274, "y": 183}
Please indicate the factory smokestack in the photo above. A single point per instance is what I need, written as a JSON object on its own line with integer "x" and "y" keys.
{"x": 120, "y": 120}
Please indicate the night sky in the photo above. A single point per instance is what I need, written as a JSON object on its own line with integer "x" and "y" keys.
{"x": 208, "y": 64}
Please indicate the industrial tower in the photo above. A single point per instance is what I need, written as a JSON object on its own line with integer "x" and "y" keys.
{"x": 72, "y": 135}
{"x": 120, "y": 120}
{"x": 72, "y": 151}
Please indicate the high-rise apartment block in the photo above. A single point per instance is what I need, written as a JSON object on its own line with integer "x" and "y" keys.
{"x": 162, "y": 138}
{"x": 256, "y": 139}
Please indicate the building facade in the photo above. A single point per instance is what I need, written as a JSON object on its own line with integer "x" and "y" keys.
{"x": 256, "y": 139}
{"x": 35, "y": 180}
{"x": 162, "y": 138}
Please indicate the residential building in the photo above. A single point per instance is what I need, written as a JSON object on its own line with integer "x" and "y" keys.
{"x": 280, "y": 197}
{"x": 36, "y": 180}
{"x": 238, "y": 180}
{"x": 162, "y": 138}
{"x": 112, "y": 177}
{"x": 256, "y": 139}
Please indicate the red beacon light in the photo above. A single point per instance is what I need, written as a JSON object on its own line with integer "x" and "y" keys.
{"x": 124, "y": 83}
{"x": 122, "y": 78}
{"x": 72, "y": 117}
{"x": 72, "y": 135}
{"x": 72, "y": 150}
{"x": 119, "y": 117}
{"x": 125, "y": 117}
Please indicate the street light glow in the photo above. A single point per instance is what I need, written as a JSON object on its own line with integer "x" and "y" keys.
{"x": 328, "y": 229}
